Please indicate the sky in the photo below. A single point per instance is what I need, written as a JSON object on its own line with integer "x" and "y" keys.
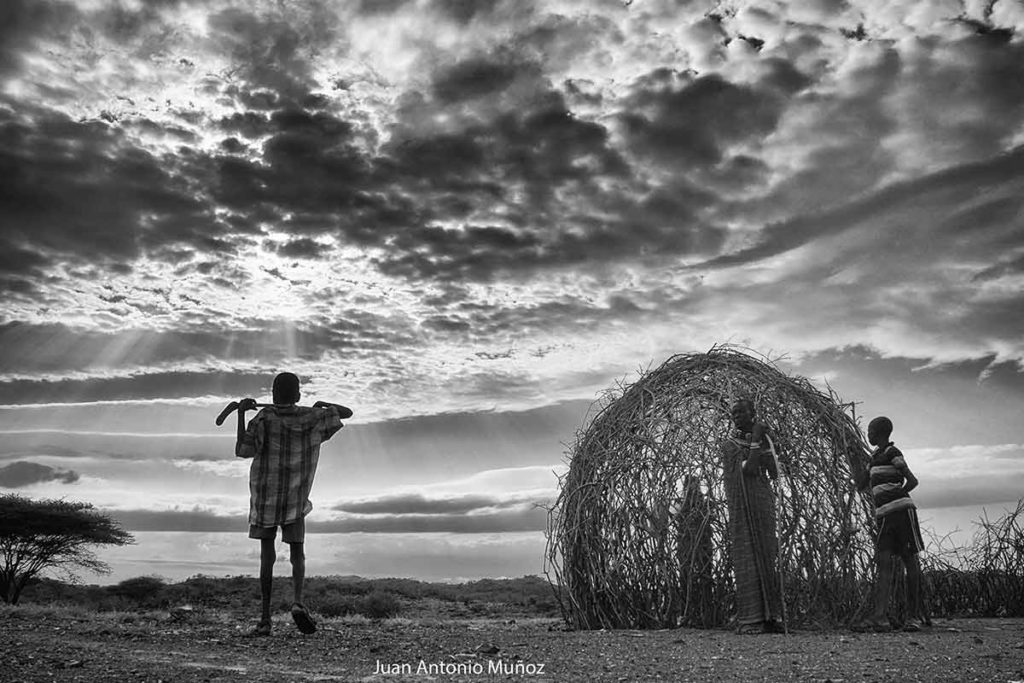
{"x": 467, "y": 221}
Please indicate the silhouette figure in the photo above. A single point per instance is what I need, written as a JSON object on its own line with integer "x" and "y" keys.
{"x": 899, "y": 533}
{"x": 283, "y": 441}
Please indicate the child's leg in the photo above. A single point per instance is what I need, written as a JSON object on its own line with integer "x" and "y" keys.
{"x": 914, "y": 604}
{"x": 299, "y": 613}
{"x": 883, "y": 558}
{"x": 267, "y": 556}
{"x": 298, "y": 558}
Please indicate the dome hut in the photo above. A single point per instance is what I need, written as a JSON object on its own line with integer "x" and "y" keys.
{"x": 637, "y": 537}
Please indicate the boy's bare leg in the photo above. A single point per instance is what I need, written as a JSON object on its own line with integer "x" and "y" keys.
{"x": 298, "y": 558}
{"x": 914, "y": 604}
{"x": 883, "y": 558}
{"x": 299, "y": 613}
{"x": 267, "y": 556}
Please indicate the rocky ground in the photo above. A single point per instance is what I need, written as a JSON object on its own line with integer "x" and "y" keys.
{"x": 67, "y": 644}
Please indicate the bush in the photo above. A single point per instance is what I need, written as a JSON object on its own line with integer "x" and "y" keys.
{"x": 374, "y": 605}
{"x": 379, "y": 605}
{"x": 142, "y": 591}
{"x": 337, "y": 606}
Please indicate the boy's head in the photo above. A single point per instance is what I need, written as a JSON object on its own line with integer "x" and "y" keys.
{"x": 286, "y": 389}
{"x": 879, "y": 431}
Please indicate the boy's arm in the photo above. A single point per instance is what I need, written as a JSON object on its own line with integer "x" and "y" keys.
{"x": 244, "y": 447}
{"x": 860, "y": 468}
{"x": 343, "y": 412}
{"x": 910, "y": 480}
{"x": 331, "y": 417}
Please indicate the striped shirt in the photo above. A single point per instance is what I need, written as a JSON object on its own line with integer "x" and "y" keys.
{"x": 887, "y": 480}
{"x": 284, "y": 443}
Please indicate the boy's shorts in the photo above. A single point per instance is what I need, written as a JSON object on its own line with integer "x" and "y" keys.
{"x": 290, "y": 533}
{"x": 899, "y": 533}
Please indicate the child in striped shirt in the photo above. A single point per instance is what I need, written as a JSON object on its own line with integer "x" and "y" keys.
{"x": 899, "y": 533}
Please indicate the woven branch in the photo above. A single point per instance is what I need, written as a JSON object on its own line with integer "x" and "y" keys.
{"x": 637, "y": 536}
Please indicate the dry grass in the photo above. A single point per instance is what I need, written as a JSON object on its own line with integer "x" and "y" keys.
{"x": 985, "y": 578}
{"x": 637, "y": 536}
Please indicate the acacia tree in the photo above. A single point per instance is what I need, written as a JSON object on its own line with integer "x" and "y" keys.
{"x": 51, "y": 534}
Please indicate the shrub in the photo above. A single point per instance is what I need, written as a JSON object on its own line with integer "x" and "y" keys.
{"x": 337, "y": 606}
{"x": 143, "y": 591}
{"x": 374, "y": 605}
{"x": 379, "y": 605}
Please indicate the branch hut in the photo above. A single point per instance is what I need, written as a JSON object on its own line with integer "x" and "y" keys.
{"x": 637, "y": 536}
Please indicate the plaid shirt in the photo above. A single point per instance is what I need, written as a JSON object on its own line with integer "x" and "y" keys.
{"x": 284, "y": 444}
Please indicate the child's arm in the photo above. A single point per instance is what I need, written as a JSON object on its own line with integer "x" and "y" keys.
{"x": 343, "y": 412}
{"x": 910, "y": 482}
{"x": 860, "y": 467}
{"x": 331, "y": 417}
{"x": 240, "y": 446}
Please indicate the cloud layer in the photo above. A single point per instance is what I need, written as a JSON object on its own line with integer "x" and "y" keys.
{"x": 382, "y": 194}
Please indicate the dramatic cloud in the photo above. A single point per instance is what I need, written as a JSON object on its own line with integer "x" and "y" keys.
{"x": 25, "y": 473}
{"x": 449, "y": 196}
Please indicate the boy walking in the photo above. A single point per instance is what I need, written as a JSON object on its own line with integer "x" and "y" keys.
{"x": 284, "y": 443}
{"x": 899, "y": 534}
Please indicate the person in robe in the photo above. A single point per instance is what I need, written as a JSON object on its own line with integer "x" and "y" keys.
{"x": 749, "y": 465}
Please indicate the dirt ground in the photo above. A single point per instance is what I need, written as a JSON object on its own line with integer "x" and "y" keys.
{"x": 50, "y": 644}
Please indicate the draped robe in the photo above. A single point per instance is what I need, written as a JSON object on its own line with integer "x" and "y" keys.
{"x": 752, "y": 534}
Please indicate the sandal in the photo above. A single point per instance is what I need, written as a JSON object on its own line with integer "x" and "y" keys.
{"x": 262, "y": 629}
{"x": 302, "y": 619}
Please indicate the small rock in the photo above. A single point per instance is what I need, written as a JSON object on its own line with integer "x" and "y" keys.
{"x": 488, "y": 649}
{"x": 978, "y": 640}
{"x": 76, "y": 664}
